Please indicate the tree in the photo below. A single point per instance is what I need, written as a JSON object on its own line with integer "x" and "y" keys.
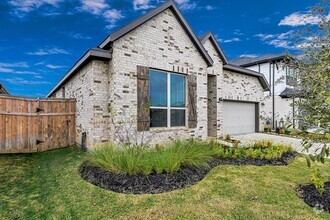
{"x": 313, "y": 83}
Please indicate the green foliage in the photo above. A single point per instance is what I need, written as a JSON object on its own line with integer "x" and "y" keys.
{"x": 227, "y": 138}
{"x": 318, "y": 180}
{"x": 136, "y": 160}
{"x": 259, "y": 150}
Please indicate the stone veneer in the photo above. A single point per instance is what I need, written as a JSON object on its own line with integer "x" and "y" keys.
{"x": 160, "y": 43}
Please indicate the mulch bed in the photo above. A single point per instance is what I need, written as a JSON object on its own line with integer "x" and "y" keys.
{"x": 313, "y": 198}
{"x": 286, "y": 159}
{"x": 161, "y": 183}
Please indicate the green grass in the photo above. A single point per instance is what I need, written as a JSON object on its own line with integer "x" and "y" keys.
{"x": 48, "y": 186}
{"x": 135, "y": 160}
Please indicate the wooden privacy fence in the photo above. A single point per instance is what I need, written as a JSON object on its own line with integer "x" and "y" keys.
{"x": 31, "y": 125}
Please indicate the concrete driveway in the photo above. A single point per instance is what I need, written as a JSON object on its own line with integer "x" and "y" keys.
{"x": 294, "y": 142}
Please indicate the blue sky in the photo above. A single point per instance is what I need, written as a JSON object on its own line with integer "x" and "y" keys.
{"x": 41, "y": 39}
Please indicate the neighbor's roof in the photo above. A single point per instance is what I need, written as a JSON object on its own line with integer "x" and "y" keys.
{"x": 3, "y": 89}
{"x": 92, "y": 54}
{"x": 288, "y": 93}
{"x": 210, "y": 35}
{"x": 250, "y": 61}
{"x": 136, "y": 23}
{"x": 248, "y": 72}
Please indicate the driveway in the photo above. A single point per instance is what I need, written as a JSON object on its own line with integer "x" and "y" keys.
{"x": 294, "y": 142}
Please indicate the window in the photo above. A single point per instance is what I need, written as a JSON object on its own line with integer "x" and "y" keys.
{"x": 290, "y": 76}
{"x": 168, "y": 99}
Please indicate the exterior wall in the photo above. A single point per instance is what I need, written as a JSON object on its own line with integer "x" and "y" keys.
{"x": 240, "y": 87}
{"x": 215, "y": 113}
{"x": 159, "y": 43}
{"x": 89, "y": 87}
{"x": 283, "y": 108}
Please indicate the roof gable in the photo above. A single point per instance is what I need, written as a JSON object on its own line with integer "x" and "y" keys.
{"x": 138, "y": 22}
{"x": 238, "y": 69}
{"x": 210, "y": 35}
{"x": 3, "y": 89}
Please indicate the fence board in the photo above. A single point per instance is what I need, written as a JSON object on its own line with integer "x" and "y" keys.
{"x": 31, "y": 125}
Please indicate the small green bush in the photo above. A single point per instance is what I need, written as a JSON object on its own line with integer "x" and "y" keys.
{"x": 134, "y": 160}
{"x": 258, "y": 150}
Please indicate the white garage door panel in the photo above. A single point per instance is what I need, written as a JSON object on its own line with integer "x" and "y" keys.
{"x": 239, "y": 117}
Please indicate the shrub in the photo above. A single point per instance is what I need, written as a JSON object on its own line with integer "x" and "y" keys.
{"x": 259, "y": 150}
{"x": 227, "y": 138}
{"x": 134, "y": 160}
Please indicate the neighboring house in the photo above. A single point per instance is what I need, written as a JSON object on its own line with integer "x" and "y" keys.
{"x": 278, "y": 105}
{"x": 3, "y": 90}
{"x": 154, "y": 79}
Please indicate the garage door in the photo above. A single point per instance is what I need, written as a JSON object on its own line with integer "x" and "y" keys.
{"x": 239, "y": 117}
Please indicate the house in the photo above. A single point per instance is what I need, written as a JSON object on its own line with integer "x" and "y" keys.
{"x": 154, "y": 80}
{"x": 3, "y": 90}
{"x": 279, "y": 101}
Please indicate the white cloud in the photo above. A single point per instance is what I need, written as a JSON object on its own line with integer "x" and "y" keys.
{"x": 22, "y": 7}
{"x": 238, "y": 32}
{"x": 101, "y": 8}
{"x": 278, "y": 40}
{"x": 94, "y": 6}
{"x": 141, "y": 5}
{"x": 10, "y": 67}
{"x": 26, "y": 73}
{"x": 186, "y": 4}
{"x": 48, "y": 51}
{"x": 209, "y": 7}
{"x": 249, "y": 55}
{"x": 50, "y": 66}
{"x": 15, "y": 65}
{"x": 265, "y": 20}
{"x": 300, "y": 19}
{"x": 112, "y": 16}
{"x": 21, "y": 81}
{"x": 78, "y": 36}
{"x": 264, "y": 37}
{"x": 235, "y": 39}
{"x": 5, "y": 70}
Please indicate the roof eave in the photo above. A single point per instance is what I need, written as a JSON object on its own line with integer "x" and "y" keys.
{"x": 138, "y": 22}
{"x": 260, "y": 76}
{"x": 266, "y": 60}
{"x": 92, "y": 54}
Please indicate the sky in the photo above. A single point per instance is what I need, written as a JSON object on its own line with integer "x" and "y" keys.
{"x": 40, "y": 40}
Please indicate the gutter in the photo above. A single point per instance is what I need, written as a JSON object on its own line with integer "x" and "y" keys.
{"x": 91, "y": 54}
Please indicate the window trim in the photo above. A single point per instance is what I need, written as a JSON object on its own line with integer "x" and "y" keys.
{"x": 168, "y": 108}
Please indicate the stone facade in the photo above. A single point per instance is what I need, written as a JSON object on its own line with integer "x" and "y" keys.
{"x": 106, "y": 92}
{"x": 160, "y": 43}
{"x": 90, "y": 88}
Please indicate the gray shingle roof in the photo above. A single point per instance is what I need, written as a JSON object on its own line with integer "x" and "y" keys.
{"x": 288, "y": 93}
{"x": 250, "y": 61}
{"x": 3, "y": 89}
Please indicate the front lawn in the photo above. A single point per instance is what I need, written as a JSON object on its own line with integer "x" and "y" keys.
{"x": 48, "y": 186}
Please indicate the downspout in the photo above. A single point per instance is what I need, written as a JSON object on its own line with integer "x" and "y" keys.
{"x": 273, "y": 96}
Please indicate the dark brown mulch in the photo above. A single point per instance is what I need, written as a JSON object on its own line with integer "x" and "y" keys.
{"x": 166, "y": 182}
{"x": 313, "y": 198}
{"x": 286, "y": 159}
